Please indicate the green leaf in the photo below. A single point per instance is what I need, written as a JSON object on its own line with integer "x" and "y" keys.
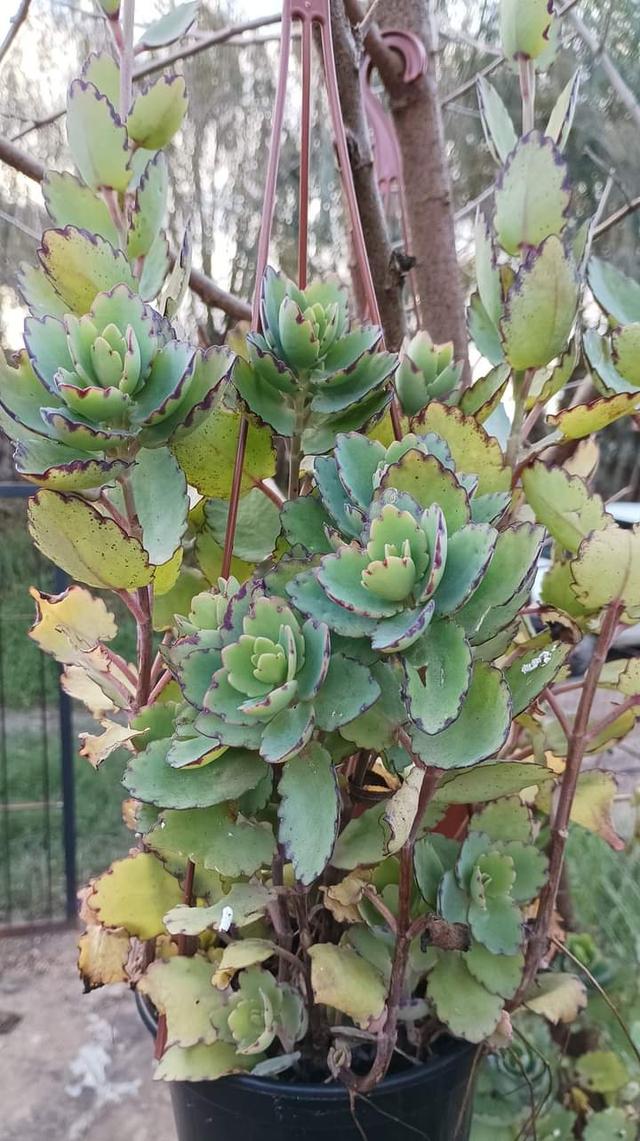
{"x": 607, "y": 568}
{"x": 160, "y": 496}
{"x": 532, "y": 194}
{"x": 97, "y": 138}
{"x": 540, "y": 307}
{"x": 212, "y": 837}
{"x": 433, "y": 856}
{"x": 506, "y": 819}
{"x": 531, "y": 672}
{"x": 468, "y": 554}
{"x": 618, "y": 294}
{"x": 80, "y": 265}
{"x": 346, "y": 982}
{"x": 89, "y": 547}
{"x": 242, "y": 906}
{"x": 472, "y": 448}
{"x": 207, "y": 455}
{"x": 497, "y": 123}
{"x": 135, "y": 893}
{"x": 602, "y": 1071}
{"x": 287, "y": 733}
{"x": 515, "y": 554}
{"x": 309, "y": 811}
{"x": 177, "y": 600}
{"x": 429, "y": 482}
{"x": 445, "y": 655}
{"x": 461, "y": 1002}
{"x": 479, "y": 731}
{"x": 610, "y": 1125}
{"x": 169, "y": 28}
{"x": 150, "y": 208}
{"x": 257, "y": 526}
{"x": 490, "y": 782}
{"x": 303, "y": 523}
{"x": 69, "y": 202}
{"x": 625, "y": 345}
{"x": 499, "y": 974}
{"x": 202, "y": 1063}
{"x": 157, "y": 112}
{"x": 349, "y": 689}
{"x": 561, "y": 118}
{"x": 364, "y": 840}
{"x": 483, "y": 331}
{"x": 149, "y": 778}
{"x": 485, "y": 394}
{"x": 181, "y": 990}
{"x": 525, "y": 28}
{"x": 376, "y": 727}
{"x": 564, "y": 504}
{"x": 102, "y": 70}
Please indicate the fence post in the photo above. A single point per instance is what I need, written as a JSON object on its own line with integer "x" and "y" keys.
{"x": 67, "y": 752}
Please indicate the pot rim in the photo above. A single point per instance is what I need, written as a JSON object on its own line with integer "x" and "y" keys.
{"x": 329, "y": 1091}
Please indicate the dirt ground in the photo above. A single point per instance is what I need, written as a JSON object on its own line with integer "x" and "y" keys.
{"x": 72, "y": 1066}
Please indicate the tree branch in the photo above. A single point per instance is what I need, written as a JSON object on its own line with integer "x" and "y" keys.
{"x": 213, "y": 295}
{"x": 602, "y": 57}
{"x": 15, "y": 23}
{"x": 222, "y": 36}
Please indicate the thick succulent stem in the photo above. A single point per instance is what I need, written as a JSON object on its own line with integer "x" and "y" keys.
{"x": 126, "y": 57}
{"x": 578, "y": 742}
{"x": 521, "y": 385}
{"x": 528, "y": 92}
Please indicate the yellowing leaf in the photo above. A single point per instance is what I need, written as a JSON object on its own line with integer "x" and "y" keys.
{"x": 102, "y": 956}
{"x": 80, "y": 265}
{"x": 583, "y": 419}
{"x": 182, "y": 990}
{"x": 202, "y": 1063}
{"x": 563, "y": 504}
{"x": 97, "y": 138}
{"x": 593, "y": 803}
{"x": 608, "y": 568}
{"x": 85, "y": 544}
{"x": 71, "y": 623}
{"x": 345, "y": 981}
{"x": 237, "y": 956}
{"x": 97, "y": 747}
{"x": 135, "y": 893}
{"x": 472, "y": 448}
{"x": 532, "y": 194}
{"x": 207, "y": 455}
{"x": 157, "y": 112}
{"x": 557, "y": 997}
{"x": 540, "y": 307}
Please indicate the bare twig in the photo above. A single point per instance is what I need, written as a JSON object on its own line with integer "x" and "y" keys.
{"x": 602, "y": 57}
{"x": 177, "y": 56}
{"x": 15, "y": 23}
{"x": 207, "y": 290}
{"x": 617, "y": 216}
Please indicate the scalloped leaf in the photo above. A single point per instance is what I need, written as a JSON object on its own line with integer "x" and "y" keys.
{"x": 564, "y": 504}
{"x": 102, "y": 957}
{"x": 540, "y": 307}
{"x": 308, "y": 812}
{"x": 202, "y": 1063}
{"x": 532, "y": 671}
{"x": 532, "y": 194}
{"x": 490, "y": 782}
{"x": 585, "y": 419}
{"x": 80, "y": 265}
{"x": 607, "y": 567}
{"x": 169, "y": 28}
{"x": 243, "y": 905}
{"x": 149, "y": 211}
{"x": 181, "y": 990}
{"x": 69, "y": 202}
{"x": 135, "y": 893}
{"x": 211, "y": 836}
{"x": 479, "y": 731}
{"x": 472, "y": 448}
{"x": 70, "y": 624}
{"x": 557, "y": 997}
{"x": 445, "y": 656}
{"x": 150, "y": 779}
{"x": 616, "y": 293}
{"x": 257, "y": 525}
{"x": 462, "y": 1003}
{"x": 97, "y": 138}
{"x": 157, "y": 112}
{"x": 89, "y": 547}
{"x": 207, "y": 455}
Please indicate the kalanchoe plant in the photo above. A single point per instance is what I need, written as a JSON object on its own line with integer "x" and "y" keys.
{"x": 343, "y": 757}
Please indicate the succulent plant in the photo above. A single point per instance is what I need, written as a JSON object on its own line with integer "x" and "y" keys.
{"x": 416, "y": 552}
{"x": 260, "y": 677}
{"x": 260, "y": 1011}
{"x": 309, "y": 373}
{"x": 426, "y": 372}
{"x": 93, "y": 388}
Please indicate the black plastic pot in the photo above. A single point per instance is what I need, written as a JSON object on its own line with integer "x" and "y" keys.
{"x": 432, "y": 1102}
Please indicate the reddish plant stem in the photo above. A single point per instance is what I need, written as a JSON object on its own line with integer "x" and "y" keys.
{"x": 183, "y": 940}
{"x": 578, "y": 742}
{"x": 611, "y": 718}
{"x": 162, "y": 684}
{"x": 388, "y": 1035}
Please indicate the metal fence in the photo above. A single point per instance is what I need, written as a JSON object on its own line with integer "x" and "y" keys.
{"x": 37, "y": 802}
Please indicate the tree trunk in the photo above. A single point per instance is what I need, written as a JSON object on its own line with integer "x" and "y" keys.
{"x": 418, "y": 122}
{"x": 386, "y": 273}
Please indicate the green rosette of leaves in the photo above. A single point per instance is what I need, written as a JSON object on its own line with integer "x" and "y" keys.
{"x": 426, "y": 372}
{"x": 259, "y": 676}
{"x": 412, "y": 543}
{"x": 260, "y": 1012}
{"x": 483, "y": 882}
{"x": 310, "y": 374}
{"x": 103, "y": 373}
